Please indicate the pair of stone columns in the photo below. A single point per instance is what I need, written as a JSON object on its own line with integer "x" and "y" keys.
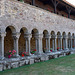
{"x": 16, "y": 38}
{"x": 54, "y": 43}
{"x": 48, "y": 43}
{"x": 38, "y": 41}
{"x": 71, "y": 43}
{"x": 65, "y": 42}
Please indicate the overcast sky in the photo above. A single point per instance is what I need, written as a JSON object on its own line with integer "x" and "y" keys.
{"x": 71, "y": 1}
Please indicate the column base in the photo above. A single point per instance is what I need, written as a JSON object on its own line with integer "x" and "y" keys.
{"x": 39, "y": 53}
{"x": 55, "y": 50}
{"x": 16, "y": 56}
{"x": 47, "y": 51}
{"x": 71, "y": 48}
{"x": 2, "y": 58}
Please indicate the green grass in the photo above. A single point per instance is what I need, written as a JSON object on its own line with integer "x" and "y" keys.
{"x": 60, "y": 66}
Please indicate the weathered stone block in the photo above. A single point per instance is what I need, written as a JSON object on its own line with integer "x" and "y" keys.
{"x": 42, "y": 58}
{"x": 55, "y": 56}
{"x": 47, "y": 58}
{"x": 61, "y": 55}
{"x": 31, "y": 61}
{"x": 26, "y": 62}
{"x": 4, "y": 67}
{"x": 64, "y": 54}
{"x": 72, "y": 52}
{"x": 1, "y": 67}
{"x": 15, "y": 64}
{"x": 8, "y": 66}
{"x": 36, "y": 61}
{"x": 21, "y": 63}
{"x": 51, "y": 57}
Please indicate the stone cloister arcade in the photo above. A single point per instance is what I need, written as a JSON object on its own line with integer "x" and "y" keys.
{"x": 43, "y": 43}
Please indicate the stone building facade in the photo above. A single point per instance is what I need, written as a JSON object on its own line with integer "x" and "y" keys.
{"x": 24, "y": 27}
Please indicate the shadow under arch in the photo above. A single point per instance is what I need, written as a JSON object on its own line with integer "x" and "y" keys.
{"x": 23, "y": 41}
{"x": 8, "y": 40}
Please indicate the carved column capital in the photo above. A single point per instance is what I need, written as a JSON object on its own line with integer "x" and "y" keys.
{"x": 16, "y": 35}
{"x": 27, "y": 35}
{"x": 3, "y": 34}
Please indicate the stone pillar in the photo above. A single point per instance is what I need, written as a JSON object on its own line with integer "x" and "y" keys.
{"x": 66, "y": 39}
{"x": 49, "y": 43}
{"x": 74, "y": 43}
{"x": 55, "y": 43}
{"x": 2, "y": 35}
{"x": 36, "y": 43}
{"x": 40, "y": 36}
{"x": 16, "y": 38}
{"x": 71, "y": 42}
{"x": 28, "y": 38}
{"x": 46, "y": 43}
{"x": 26, "y": 45}
{"x": 58, "y": 42}
{"x": 29, "y": 45}
{"x": 61, "y": 43}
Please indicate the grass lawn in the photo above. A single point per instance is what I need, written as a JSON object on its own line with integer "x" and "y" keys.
{"x": 60, "y": 66}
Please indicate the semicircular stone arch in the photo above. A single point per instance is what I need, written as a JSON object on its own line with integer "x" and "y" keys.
{"x": 23, "y": 41}
{"x": 8, "y": 40}
{"x": 45, "y": 40}
{"x": 52, "y": 40}
{"x": 14, "y": 29}
{"x": 34, "y": 39}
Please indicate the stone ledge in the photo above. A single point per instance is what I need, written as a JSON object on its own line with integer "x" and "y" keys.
{"x": 13, "y": 63}
{"x": 31, "y": 61}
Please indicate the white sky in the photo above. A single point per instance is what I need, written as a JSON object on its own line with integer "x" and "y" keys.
{"x": 71, "y": 1}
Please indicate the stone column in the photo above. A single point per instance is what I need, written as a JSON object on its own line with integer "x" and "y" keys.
{"x": 74, "y": 43}
{"x": 40, "y": 36}
{"x": 46, "y": 43}
{"x": 26, "y": 45}
{"x": 61, "y": 43}
{"x": 2, "y": 35}
{"x": 66, "y": 39}
{"x": 16, "y": 38}
{"x": 55, "y": 43}
{"x": 36, "y": 43}
{"x": 49, "y": 43}
{"x": 58, "y": 42}
{"x": 28, "y": 38}
{"x": 71, "y": 42}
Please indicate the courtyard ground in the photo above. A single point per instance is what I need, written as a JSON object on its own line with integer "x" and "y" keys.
{"x": 59, "y": 66}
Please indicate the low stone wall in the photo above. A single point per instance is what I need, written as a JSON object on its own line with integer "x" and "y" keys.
{"x": 21, "y": 61}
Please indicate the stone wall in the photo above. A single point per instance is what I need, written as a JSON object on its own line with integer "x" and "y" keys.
{"x": 49, "y": 8}
{"x": 20, "y": 15}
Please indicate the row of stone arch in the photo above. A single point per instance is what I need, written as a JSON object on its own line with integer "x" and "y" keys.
{"x": 47, "y": 41}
